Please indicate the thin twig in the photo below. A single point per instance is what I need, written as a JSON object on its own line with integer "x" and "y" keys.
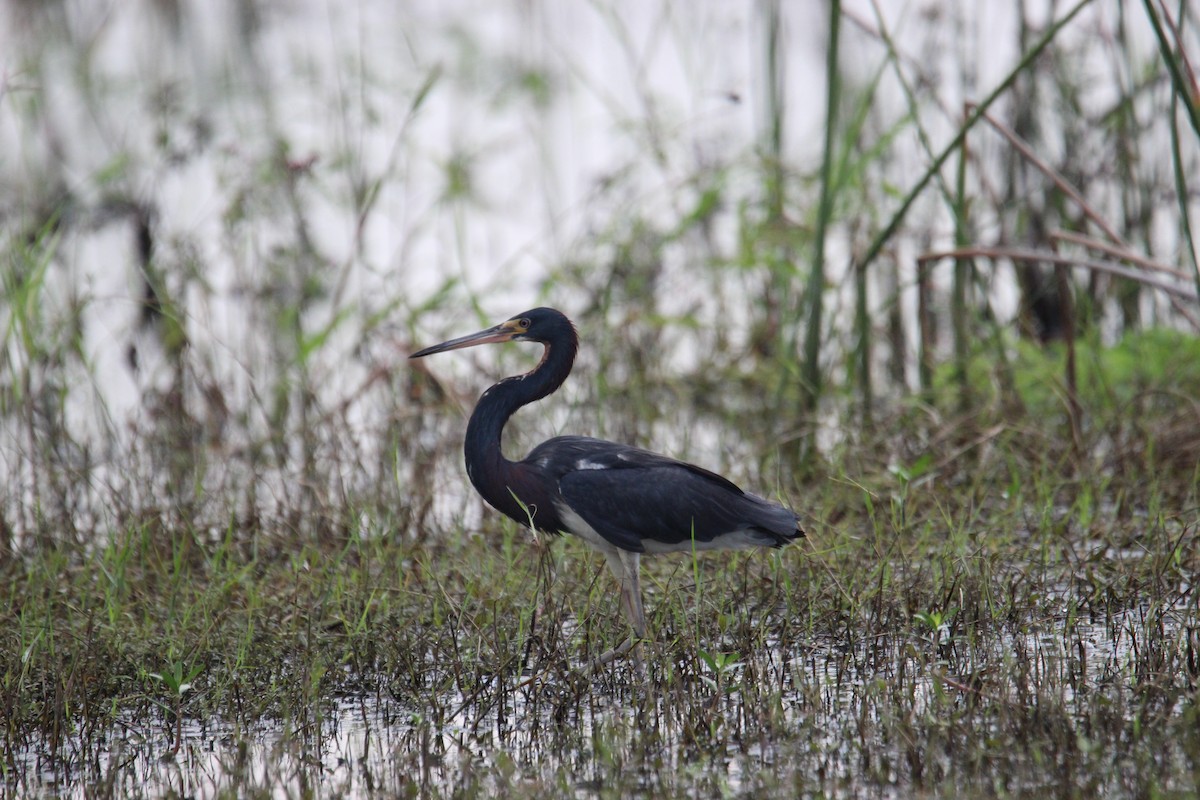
{"x": 882, "y": 238}
{"x": 1024, "y": 148}
{"x": 1188, "y": 73}
{"x": 1137, "y": 259}
{"x": 1023, "y": 254}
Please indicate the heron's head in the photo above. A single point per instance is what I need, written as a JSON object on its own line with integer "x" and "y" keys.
{"x": 545, "y": 325}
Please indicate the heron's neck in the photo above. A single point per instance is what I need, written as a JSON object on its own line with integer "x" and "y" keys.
{"x": 490, "y": 472}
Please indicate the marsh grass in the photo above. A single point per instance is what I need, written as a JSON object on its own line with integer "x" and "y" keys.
{"x": 991, "y": 618}
{"x": 273, "y": 551}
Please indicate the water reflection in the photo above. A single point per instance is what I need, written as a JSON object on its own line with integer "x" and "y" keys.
{"x": 829, "y": 717}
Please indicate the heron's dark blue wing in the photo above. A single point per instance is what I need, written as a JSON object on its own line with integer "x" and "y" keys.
{"x": 632, "y": 497}
{"x": 564, "y": 454}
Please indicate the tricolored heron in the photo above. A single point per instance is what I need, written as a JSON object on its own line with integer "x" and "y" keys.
{"x": 621, "y": 500}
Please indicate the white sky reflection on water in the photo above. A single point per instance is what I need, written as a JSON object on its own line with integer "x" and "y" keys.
{"x": 367, "y": 746}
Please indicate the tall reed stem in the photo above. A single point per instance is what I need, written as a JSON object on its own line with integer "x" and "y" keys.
{"x": 813, "y": 294}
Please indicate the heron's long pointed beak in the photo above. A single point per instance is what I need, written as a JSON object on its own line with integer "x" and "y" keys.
{"x": 499, "y": 333}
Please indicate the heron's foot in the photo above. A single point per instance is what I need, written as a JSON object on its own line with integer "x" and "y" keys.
{"x": 609, "y": 656}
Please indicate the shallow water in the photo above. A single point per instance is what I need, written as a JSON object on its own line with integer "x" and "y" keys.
{"x": 826, "y": 719}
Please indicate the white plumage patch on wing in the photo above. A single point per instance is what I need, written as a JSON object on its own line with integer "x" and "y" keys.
{"x": 578, "y": 527}
{"x": 583, "y": 463}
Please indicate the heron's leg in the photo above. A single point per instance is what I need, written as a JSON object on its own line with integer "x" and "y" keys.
{"x": 631, "y": 591}
{"x": 625, "y": 566}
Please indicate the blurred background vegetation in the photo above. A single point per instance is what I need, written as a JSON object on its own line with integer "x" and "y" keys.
{"x": 798, "y": 240}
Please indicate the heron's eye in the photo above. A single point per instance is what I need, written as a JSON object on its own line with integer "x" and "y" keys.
{"x": 524, "y": 323}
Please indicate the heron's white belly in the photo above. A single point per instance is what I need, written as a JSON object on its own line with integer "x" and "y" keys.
{"x": 740, "y": 539}
{"x": 577, "y": 526}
